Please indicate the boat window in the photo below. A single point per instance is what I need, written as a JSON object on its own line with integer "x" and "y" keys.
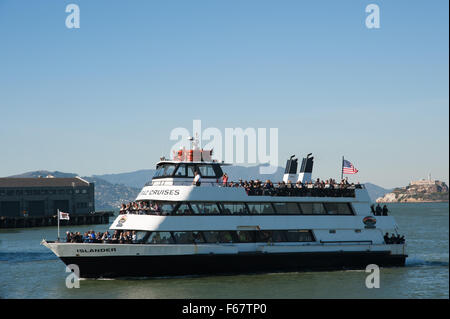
{"x": 164, "y": 170}
{"x": 142, "y": 236}
{"x": 206, "y": 170}
{"x": 160, "y": 237}
{"x": 159, "y": 171}
{"x": 264, "y": 236}
{"x": 278, "y": 236}
{"x": 312, "y": 208}
{"x": 233, "y": 208}
{"x": 181, "y": 171}
{"x": 260, "y": 208}
{"x": 163, "y": 208}
{"x": 183, "y": 209}
{"x": 246, "y": 236}
{"x": 211, "y": 236}
{"x": 188, "y": 237}
{"x": 183, "y": 237}
{"x": 226, "y": 236}
{"x": 200, "y": 237}
{"x": 205, "y": 208}
{"x": 146, "y": 236}
{"x": 168, "y": 170}
{"x": 190, "y": 171}
{"x": 299, "y": 235}
{"x": 218, "y": 172}
{"x": 338, "y": 208}
{"x": 287, "y": 208}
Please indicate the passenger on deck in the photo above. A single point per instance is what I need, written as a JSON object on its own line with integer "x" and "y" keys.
{"x": 106, "y": 237}
{"x": 394, "y": 239}
{"x": 225, "y": 180}
{"x": 317, "y": 183}
{"x": 385, "y": 210}
{"x": 378, "y": 210}
{"x": 197, "y": 179}
{"x": 268, "y": 186}
{"x": 386, "y": 238}
{"x": 115, "y": 237}
{"x": 282, "y": 189}
{"x": 91, "y": 236}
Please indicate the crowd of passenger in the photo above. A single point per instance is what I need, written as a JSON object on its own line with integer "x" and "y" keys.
{"x": 394, "y": 239}
{"x": 118, "y": 237}
{"x": 319, "y": 188}
{"x": 141, "y": 208}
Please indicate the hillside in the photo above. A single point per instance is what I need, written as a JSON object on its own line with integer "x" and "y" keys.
{"x": 44, "y": 173}
{"x": 109, "y": 196}
{"x": 136, "y": 179}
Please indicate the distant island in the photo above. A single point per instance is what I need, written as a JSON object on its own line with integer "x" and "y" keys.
{"x": 418, "y": 191}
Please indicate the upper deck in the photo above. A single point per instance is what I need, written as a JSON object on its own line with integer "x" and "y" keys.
{"x": 219, "y": 193}
{"x": 173, "y": 181}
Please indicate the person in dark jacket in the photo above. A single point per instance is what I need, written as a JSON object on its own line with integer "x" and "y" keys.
{"x": 378, "y": 210}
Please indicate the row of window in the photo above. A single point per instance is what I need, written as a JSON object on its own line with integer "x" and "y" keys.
{"x": 19, "y": 192}
{"x": 213, "y": 237}
{"x": 183, "y": 170}
{"x": 200, "y": 208}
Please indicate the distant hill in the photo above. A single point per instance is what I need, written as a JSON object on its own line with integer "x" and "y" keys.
{"x": 45, "y": 174}
{"x": 109, "y": 196}
{"x": 135, "y": 179}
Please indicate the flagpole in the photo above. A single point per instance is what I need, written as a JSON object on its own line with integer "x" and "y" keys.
{"x": 57, "y": 211}
{"x": 342, "y": 169}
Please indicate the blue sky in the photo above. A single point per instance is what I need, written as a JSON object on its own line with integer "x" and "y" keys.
{"x": 104, "y": 98}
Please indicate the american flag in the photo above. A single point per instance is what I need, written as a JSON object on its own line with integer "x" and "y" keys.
{"x": 348, "y": 168}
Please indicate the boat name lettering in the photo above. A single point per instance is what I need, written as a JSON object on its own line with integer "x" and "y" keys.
{"x": 95, "y": 250}
{"x": 161, "y": 192}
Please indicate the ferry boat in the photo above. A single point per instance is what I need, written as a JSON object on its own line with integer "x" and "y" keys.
{"x": 216, "y": 228}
